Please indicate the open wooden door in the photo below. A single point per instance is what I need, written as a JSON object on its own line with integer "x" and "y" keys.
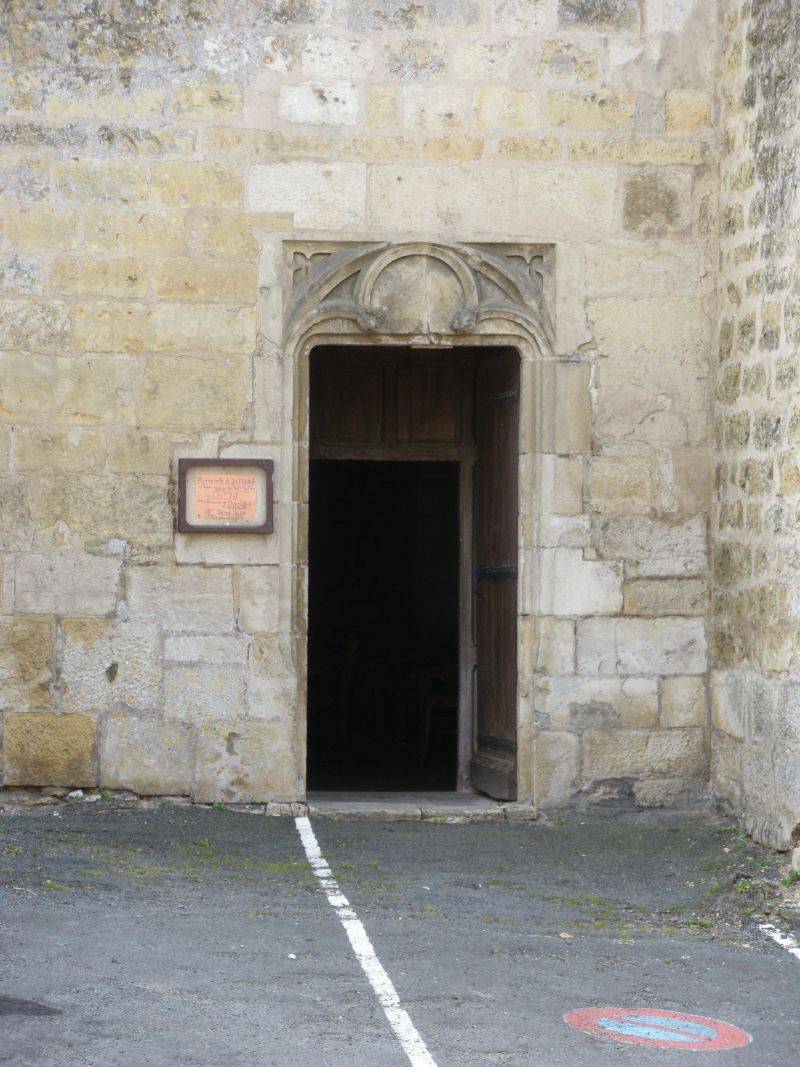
{"x": 494, "y": 761}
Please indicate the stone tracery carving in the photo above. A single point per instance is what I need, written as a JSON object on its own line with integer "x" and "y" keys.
{"x": 423, "y": 290}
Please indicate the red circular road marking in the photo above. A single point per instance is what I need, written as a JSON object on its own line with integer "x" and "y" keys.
{"x": 659, "y": 1029}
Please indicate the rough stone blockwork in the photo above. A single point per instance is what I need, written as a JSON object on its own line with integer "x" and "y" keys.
{"x": 154, "y": 160}
{"x": 756, "y": 648}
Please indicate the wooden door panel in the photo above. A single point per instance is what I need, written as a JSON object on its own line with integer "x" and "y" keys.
{"x": 493, "y": 766}
{"x": 347, "y": 402}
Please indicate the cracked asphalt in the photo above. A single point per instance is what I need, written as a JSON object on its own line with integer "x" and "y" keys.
{"x": 193, "y": 936}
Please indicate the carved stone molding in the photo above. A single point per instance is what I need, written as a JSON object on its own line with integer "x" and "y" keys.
{"x": 425, "y": 291}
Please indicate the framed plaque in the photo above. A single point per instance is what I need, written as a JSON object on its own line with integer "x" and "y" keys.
{"x": 225, "y": 495}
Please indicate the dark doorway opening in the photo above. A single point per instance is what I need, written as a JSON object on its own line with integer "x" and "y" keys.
{"x": 383, "y": 625}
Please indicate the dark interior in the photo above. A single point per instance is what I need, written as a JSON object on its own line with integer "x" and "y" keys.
{"x": 383, "y": 625}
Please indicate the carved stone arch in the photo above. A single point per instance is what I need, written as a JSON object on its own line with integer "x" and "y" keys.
{"x": 421, "y": 292}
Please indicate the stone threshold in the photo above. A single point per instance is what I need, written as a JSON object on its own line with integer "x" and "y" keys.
{"x": 411, "y": 807}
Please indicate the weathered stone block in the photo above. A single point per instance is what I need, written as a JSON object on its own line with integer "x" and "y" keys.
{"x": 230, "y": 649}
{"x": 726, "y": 769}
{"x": 93, "y": 180}
{"x": 180, "y": 183}
{"x": 334, "y": 104}
{"x": 204, "y": 691}
{"x": 42, "y": 748}
{"x": 108, "y": 664}
{"x": 654, "y": 150}
{"x": 258, "y": 600}
{"x": 652, "y": 548}
{"x": 63, "y": 584}
{"x": 139, "y": 452}
{"x": 433, "y": 107}
{"x": 441, "y": 199}
{"x": 42, "y": 228}
{"x": 599, "y": 15}
{"x": 642, "y": 267}
{"x": 666, "y": 596}
{"x": 99, "y": 507}
{"x": 566, "y": 407}
{"x": 99, "y": 277}
{"x": 572, "y": 585}
{"x": 203, "y": 279}
{"x": 397, "y": 15}
{"x": 108, "y": 327}
{"x": 670, "y": 792}
{"x": 683, "y": 701}
{"x": 596, "y": 646}
{"x": 687, "y": 110}
{"x": 621, "y": 484}
{"x": 16, "y": 522}
{"x": 642, "y": 753}
{"x": 381, "y": 106}
{"x": 272, "y": 678}
{"x": 189, "y": 600}
{"x": 556, "y": 766}
{"x": 240, "y": 761}
{"x": 483, "y": 60}
{"x": 499, "y": 108}
{"x": 146, "y": 755}
{"x": 567, "y": 59}
{"x": 573, "y": 703}
{"x": 34, "y": 326}
{"x": 336, "y": 57}
{"x": 211, "y": 100}
{"x": 317, "y": 194}
{"x": 728, "y": 704}
{"x": 602, "y": 109}
{"x": 190, "y": 393}
{"x": 661, "y": 646}
{"x": 561, "y": 196}
{"x": 26, "y": 662}
{"x": 657, "y": 203}
{"x": 130, "y": 232}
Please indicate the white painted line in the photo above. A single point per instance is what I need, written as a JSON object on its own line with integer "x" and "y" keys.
{"x": 784, "y": 940}
{"x": 399, "y": 1020}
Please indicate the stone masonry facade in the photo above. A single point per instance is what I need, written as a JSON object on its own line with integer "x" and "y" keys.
{"x": 161, "y": 163}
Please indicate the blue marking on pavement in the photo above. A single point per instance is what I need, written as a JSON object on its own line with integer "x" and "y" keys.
{"x": 655, "y": 1028}
{"x": 679, "y": 1024}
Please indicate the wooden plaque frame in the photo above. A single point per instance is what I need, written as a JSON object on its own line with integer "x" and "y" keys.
{"x": 185, "y": 526}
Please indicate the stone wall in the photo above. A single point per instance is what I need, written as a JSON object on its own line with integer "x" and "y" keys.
{"x": 154, "y": 158}
{"x": 756, "y": 681}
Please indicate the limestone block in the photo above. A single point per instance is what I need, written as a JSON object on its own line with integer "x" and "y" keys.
{"x": 108, "y": 664}
{"x": 201, "y": 692}
{"x": 21, "y": 272}
{"x": 561, "y": 484}
{"x": 642, "y": 753}
{"x": 258, "y": 600}
{"x": 727, "y": 704}
{"x": 451, "y": 147}
{"x": 139, "y": 452}
{"x": 654, "y": 150}
{"x": 672, "y": 645}
{"x": 98, "y": 507}
{"x": 34, "y": 325}
{"x": 666, "y": 596}
{"x": 599, "y": 16}
{"x": 192, "y": 279}
{"x": 81, "y": 276}
{"x": 573, "y": 703}
{"x": 146, "y": 755}
{"x": 398, "y": 15}
{"x": 565, "y": 407}
{"x": 272, "y": 678}
{"x": 560, "y": 58}
{"x": 141, "y": 104}
{"x": 26, "y": 662}
{"x": 656, "y": 327}
{"x": 572, "y": 585}
{"x": 129, "y": 232}
{"x": 42, "y": 748}
{"x": 245, "y": 761}
{"x": 5, "y": 447}
{"x": 216, "y": 550}
{"x": 90, "y": 180}
{"x": 669, "y": 792}
{"x": 638, "y": 268}
{"x": 556, "y": 764}
{"x": 657, "y": 203}
{"x": 327, "y": 195}
{"x": 687, "y": 110}
{"x": 653, "y": 548}
{"x": 336, "y": 57}
{"x": 527, "y": 149}
{"x": 433, "y": 107}
{"x": 477, "y": 60}
{"x": 332, "y": 104}
{"x": 564, "y": 531}
{"x": 210, "y": 100}
{"x": 596, "y": 646}
{"x": 230, "y": 649}
{"x": 683, "y": 701}
{"x": 65, "y": 585}
{"x": 16, "y": 523}
{"x": 236, "y": 234}
{"x": 183, "y": 599}
{"x": 42, "y": 228}
{"x": 55, "y": 391}
{"x": 441, "y": 199}
{"x": 381, "y": 106}
{"x": 109, "y": 327}
{"x": 621, "y": 484}
{"x": 601, "y": 109}
{"x": 563, "y": 198}
{"x": 726, "y": 769}
{"x": 521, "y": 17}
{"x": 180, "y": 183}
{"x": 498, "y": 108}
{"x": 190, "y": 393}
